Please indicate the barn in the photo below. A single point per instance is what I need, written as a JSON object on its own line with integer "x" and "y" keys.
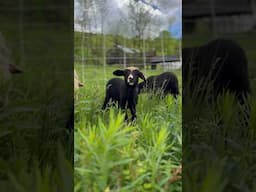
{"x": 120, "y": 54}
{"x": 222, "y": 16}
{"x": 168, "y": 62}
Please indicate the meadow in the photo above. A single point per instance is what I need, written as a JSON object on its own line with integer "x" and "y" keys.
{"x": 219, "y": 137}
{"x": 111, "y": 155}
{"x": 36, "y": 148}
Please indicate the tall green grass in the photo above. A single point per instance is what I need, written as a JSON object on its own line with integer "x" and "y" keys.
{"x": 111, "y": 155}
{"x": 219, "y": 144}
{"x": 219, "y": 136}
{"x": 33, "y": 124}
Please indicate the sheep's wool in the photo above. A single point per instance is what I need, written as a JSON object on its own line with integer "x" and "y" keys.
{"x": 132, "y": 68}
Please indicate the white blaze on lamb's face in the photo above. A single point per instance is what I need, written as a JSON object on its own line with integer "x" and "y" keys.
{"x": 130, "y": 79}
{"x": 130, "y": 75}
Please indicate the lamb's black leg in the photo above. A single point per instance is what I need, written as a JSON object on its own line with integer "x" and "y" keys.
{"x": 122, "y": 105}
{"x": 133, "y": 111}
{"x": 126, "y": 115}
{"x": 105, "y": 103}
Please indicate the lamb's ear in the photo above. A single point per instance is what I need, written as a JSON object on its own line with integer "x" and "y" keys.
{"x": 118, "y": 72}
{"x": 141, "y": 75}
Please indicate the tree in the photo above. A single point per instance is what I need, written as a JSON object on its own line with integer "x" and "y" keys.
{"x": 139, "y": 17}
{"x": 102, "y": 10}
{"x": 82, "y": 16}
{"x": 167, "y": 44}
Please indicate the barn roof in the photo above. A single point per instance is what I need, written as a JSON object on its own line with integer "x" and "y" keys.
{"x": 195, "y": 9}
{"x": 126, "y": 49}
{"x": 160, "y": 59}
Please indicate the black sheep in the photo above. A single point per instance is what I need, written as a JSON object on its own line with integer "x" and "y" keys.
{"x": 124, "y": 92}
{"x": 165, "y": 83}
{"x": 216, "y": 67}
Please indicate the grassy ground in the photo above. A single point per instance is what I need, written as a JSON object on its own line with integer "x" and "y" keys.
{"x": 113, "y": 156}
{"x": 32, "y": 126}
{"x": 219, "y": 137}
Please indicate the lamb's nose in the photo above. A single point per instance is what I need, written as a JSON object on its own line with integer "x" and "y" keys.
{"x": 130, "y": 77}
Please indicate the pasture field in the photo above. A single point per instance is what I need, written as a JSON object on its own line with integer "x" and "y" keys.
{"x": 219, "y": 139}
{"x": 111, "y": 155}
{"x": 36, "y": 148}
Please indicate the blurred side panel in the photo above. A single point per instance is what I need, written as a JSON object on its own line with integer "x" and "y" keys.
{"x": 36, "y": 65}
{"x": 219, "y": 75}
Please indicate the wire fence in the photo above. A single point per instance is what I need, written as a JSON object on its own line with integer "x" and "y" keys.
{"x": 109, "y": 54}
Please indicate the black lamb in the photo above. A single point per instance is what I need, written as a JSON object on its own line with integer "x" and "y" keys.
{"x": 165, "y": 83}
{"x": 124, "y": 92}
{"x": 216, "y": 67}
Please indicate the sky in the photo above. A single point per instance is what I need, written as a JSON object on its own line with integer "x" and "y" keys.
{"x": 165, "y": 13}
